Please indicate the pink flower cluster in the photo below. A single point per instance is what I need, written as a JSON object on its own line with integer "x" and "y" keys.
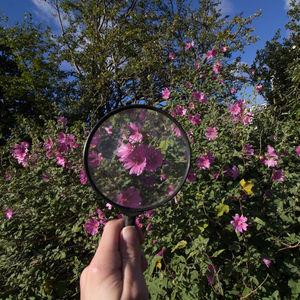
{"x": 130, "y": 198}
{"x": 271, "y": 158}
{"x": 92, "y": 225}
{"x": 20, "y": 152}
{"x": 239, "y": 114}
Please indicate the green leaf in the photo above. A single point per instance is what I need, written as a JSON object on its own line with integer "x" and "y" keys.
{"x": 179, "y": 245}
{"x": 217, "y": 253}
{"x": 222, "y": 208}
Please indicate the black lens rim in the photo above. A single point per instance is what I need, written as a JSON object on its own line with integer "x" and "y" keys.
{"x": 130, "y": 211}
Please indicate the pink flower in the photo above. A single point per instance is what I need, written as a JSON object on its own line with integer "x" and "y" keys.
{"x": 239, "y": 223}
{"x": 130, "y": 198}
{"x": 270, "y": 160}
{"x": 92, "y": 226}
{"x": 61, "y": 161}
{"x": 62, "y": 137}
{"x": 94, "y": 159}
{"x": 223, "y": 49}
{"x": 109, "y": 206}
{"x": 108, "y": 130}
{"x": 298, "y": 150}
{"x": 153, "y": 158}
{"x": 217, "y": 67}
{"x": 278, "y": 175}
{"x": 235, "y": 109}
{"x": 148, "y": 226}
{"x": 211, "y": 133}
{"x": 149, "y": 213}
{"x": 49, "y": 144}
{"x": 211, "y": 53}
{"x": 267, "y": 262}
{"x": 192, "y": 177}
{"x": 138, "y": 224}
{"x": 172, "y": 55}
{"x": 161, "y": 252}
{"x": 95, "y": 140}
{"x": 101, "y": 216}
{"x": 203, "y": 162}
{"x": 248, "y": 150}
{"x": 70, "y": 140}
{"x": 192, "y": 106}
{"x": 189, "y": 45}
{"x": 252, "y": 72}
{"x": 180, "y": 110}
{"x": 235, "y": 172}
{"x": 195, "y": 120}
{"x": 258, "y": 87}
{"x": 136, "y": 160}
{"x": 233, "y": 91}
{"x": 165, "y": 93}
{"x": 188, "y": 85}
{"x": 62, "y": 121}
{"x": 8, "y": 176}
{"x": 199, "y": 97}
{"x": 176, "y": 130}
{"x": 9, "y": 213}
{"x": 82, "y": 177}
{"x": 136, "y": 136}
{"x": 19, "y": 152}
{"x": 216, "y": 175}
{"x": 209, "y": 278}
{"x": 123, "y": 151}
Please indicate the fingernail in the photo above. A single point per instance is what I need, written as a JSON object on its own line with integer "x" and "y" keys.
{"x": 129, "y": 234}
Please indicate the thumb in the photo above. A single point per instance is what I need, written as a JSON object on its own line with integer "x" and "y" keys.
{"x": 134, "y": 286}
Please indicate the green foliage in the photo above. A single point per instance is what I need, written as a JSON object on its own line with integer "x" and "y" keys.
{"x": 44, "y": 246}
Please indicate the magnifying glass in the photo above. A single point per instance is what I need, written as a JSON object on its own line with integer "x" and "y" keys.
{"x": 137, "y": 158}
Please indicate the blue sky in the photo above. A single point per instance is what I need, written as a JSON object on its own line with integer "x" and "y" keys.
{"x": 273, "y": 17}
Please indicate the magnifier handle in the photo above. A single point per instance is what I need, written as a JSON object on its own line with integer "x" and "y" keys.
{"x": 129, "y": 220}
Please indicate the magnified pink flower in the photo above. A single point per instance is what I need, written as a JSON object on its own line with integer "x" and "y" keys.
{"x": 298, "y": 150}
{"x": 136, "y": 160}
{"x": 199, "y": 97}
{"x": 239, "y": 223}
{"x": 180, "y": 110}
{"x": 130, "y": 198}
{"x": 9, "y": 213}
{"x": 211, "y": 53}
{"x": 92, "y": 226}
{"x": 165, "y": 93}
{"x": 176, "y": 130}
{"x": 153, "y": 159}
{"x": 172, "y": 55}
{"x": 108, "y": 130}
{"x": 95, "y": 140}
{"x": 278, "y": 175}
{"x": 123, "y": 151}
{"x": 62, "y": 121}
{"x": 94, "y": 159}
{"x": 211, "y": 133}
{"x": 136, "y": 136}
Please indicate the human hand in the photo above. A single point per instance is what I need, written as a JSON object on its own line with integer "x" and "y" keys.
{"x": 116, "y": 270}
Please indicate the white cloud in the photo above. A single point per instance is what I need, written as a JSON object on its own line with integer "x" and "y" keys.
{"x": 288, "y": 3}
{"x": 226, "y": 7}
{"x": 47, "y": 13}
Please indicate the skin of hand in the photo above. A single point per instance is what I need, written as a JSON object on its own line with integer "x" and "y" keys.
{"x": 116, "y": 270}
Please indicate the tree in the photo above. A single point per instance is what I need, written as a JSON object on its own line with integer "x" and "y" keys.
{"x": 277, "y": 68}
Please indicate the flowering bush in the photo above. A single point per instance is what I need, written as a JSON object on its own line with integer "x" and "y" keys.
{"x": 232, "y": 231}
